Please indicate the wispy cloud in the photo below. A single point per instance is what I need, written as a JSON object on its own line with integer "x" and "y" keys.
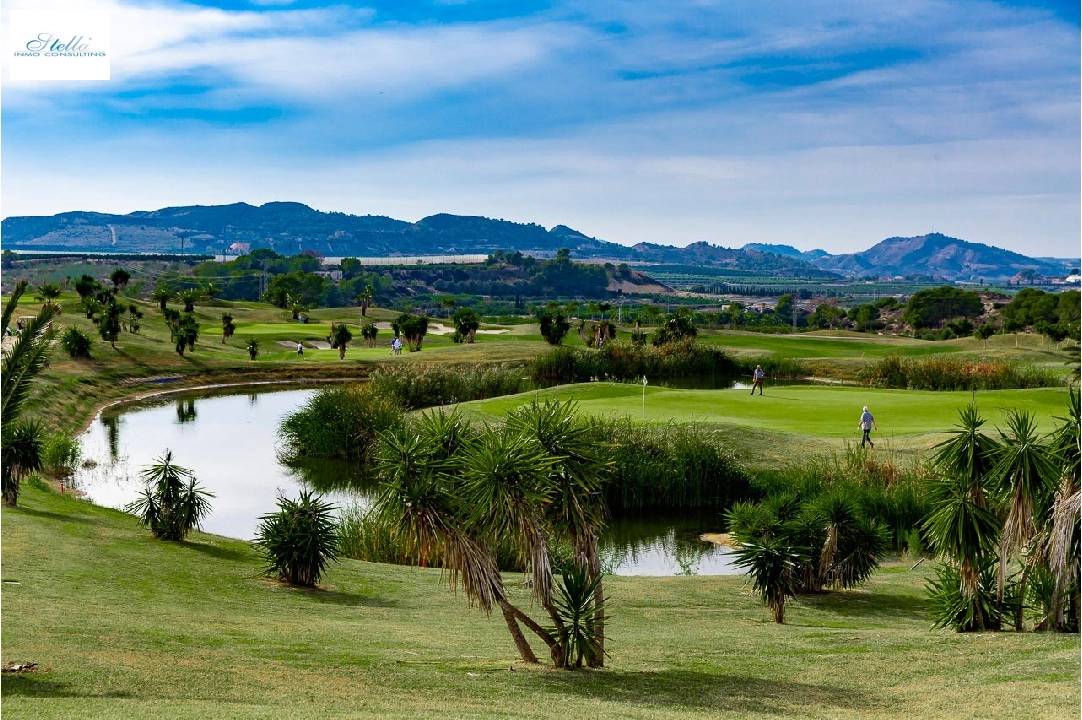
{"x": 806, "y": 122}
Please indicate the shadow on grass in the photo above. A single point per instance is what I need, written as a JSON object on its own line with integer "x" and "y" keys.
{"x": 346, "y": 599}
{"x": 219, "y": 552}
{"x": 331, "y": 596}
{"x": 868, "y": 605}
{"x": 49, "y": 515}
{"x": 699, "y": 690}
{"x": 38, "y": 685}
{"x": 132, "y": 359}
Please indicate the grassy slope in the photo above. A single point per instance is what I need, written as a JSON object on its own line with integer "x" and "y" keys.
{"x": 130, "y": 626}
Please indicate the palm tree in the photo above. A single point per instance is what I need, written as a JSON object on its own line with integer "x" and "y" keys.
{"x": 228, "y": 327}
{"x": 340, "y": 337}
{"x": 47, "y": 293}
{"x": 366, "y": 297}
{"x": 576, "y": 508}
{"x": 961, "y": 526}
{"x": 23, "y": 444}
{"x": 772, "y": 564}
{"x": 253, "y": 348}
{"x": 456, "y": 494}
{"x": 120, "y": 278}
{"x": 172, "y": 503}
{"x": 189, "y": 297}
{"x": 1026, "y": 473}
{"x": 161, "y": 295}
{"x": 369, "y": 333}
{"x": 21, "y": 440}
{"x": 108, "y": 322}
{"x": 210, "y": 290}
{"x": 1062, "y": 546}
{"x": 299, "y": 539}
{"x": 466, "y": 323}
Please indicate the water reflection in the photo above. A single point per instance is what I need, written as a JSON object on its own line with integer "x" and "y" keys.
{"x": 186, "y": 410}
{"x": 664, "y": 546}
{"x": 230, "y": 443}
{"x": 112, "y": 428}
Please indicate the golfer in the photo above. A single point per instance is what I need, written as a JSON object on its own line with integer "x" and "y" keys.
{"x": 867, "y": 422}
{"x": 758, "y": 378}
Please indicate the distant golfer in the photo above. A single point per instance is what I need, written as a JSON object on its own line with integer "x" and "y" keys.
{"x": 758, "y": 377}
{"x": 867, "y": 422}
{"x": 300, "y": 351}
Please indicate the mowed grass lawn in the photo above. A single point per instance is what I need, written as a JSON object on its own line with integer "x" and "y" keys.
{"x": 122, "y": 625}
{"x": 820, "y": 411}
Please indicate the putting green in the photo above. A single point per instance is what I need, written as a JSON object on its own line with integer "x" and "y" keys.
{"x": 829, "y": 412}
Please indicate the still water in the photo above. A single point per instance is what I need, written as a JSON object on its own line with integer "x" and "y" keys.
{"x": 230, "y": 442}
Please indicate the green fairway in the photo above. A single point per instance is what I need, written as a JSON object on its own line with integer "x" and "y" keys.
{"x": 122, "y": 625}
{"x": 822, "y": 411}
{"x": 825, "y": 344}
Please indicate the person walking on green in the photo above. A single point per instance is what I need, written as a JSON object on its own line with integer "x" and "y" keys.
{"x": 867, "y": 422}
{"x": 758, "y": 379}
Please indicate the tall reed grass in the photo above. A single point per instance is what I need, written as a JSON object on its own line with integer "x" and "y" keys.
{"x": 423, "y": 386}
{"x": 622, "y": 361}
{"x": 343, "y": 421}
{"x": 675, "y": 467}
{"x": 947, "y": 373}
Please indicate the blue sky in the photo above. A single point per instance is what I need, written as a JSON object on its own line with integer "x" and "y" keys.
{"x": 816, "y": 124}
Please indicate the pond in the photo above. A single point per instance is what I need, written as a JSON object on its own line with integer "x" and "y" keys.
{"x": 230, "y": 442}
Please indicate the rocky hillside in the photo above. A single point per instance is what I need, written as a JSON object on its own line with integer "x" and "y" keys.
{"x": 939, "y": 256}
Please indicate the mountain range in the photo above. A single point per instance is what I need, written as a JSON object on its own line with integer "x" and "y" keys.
{"x": 289, "y": 227}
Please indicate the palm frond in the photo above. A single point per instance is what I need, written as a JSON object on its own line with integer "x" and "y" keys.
{"x": 13, "y": 303}
{"x": 28, "y": 357}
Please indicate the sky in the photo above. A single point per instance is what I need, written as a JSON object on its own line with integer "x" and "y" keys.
{"x": 819, "y": 124}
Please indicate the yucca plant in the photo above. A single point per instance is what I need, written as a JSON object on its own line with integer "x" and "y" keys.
{"x": 299, "y": 539}
{"x": 1026, "y": 473}
{"x": 952, "y": 606}
{"x": 172, "y": 503}
{"x": 771, "y": 564}
{"x": 581, "y": 608}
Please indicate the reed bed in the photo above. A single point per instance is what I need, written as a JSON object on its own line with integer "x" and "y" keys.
{"x": 343, "y": 422}
{"x": 675, "y": 467}
{"x": 424, "y": 386}
{"x": 947, "y": 373}
{"x": 623, "y": 362}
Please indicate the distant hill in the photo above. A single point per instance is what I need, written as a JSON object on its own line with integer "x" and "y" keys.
{"x": 289, "y": 228}
{"x": 939, "y": 256}
{"x": 787, "y": 251}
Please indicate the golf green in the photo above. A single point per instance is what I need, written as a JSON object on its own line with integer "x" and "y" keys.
{"x": 823, "y": 411}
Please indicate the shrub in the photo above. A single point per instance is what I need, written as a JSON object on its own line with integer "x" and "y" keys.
{"x": 172, "y": 503}
{"x": 299, "y": 539}
{"x": 76, "y": 343}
